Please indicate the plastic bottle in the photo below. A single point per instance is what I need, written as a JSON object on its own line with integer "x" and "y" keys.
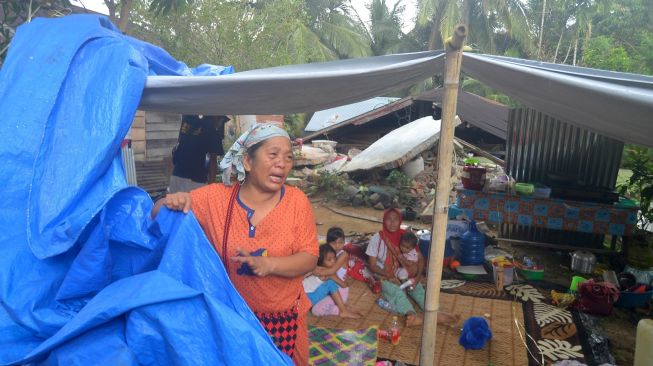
{"x": 385, "y": 305}
{"x": 409, "y": 283}
{"x": 394, "y": 331}
{"x": 644, "y": 343}
{"x": 472, "y": 246}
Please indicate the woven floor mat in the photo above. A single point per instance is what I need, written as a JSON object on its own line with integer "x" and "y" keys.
{"x": 338, "y": 347}
{"x": 553, "y": 330}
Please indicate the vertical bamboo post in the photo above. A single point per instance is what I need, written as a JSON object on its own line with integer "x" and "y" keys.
{"x": 453, "y": 58}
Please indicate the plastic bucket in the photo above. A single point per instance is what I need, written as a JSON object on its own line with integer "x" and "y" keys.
{"x": 508, "y": 274}
{"x": 473, "y": 177}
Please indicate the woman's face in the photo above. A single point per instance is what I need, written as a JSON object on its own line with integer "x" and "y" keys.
{"x": 392, "y": 221}
{"x": 270, "y": 165}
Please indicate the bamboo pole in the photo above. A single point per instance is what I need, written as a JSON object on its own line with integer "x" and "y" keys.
{"x": 453, "y": 58}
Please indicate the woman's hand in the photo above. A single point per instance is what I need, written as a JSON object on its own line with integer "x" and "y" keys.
{"x": 261, "y": 266}
{"x": 179, "y": 201}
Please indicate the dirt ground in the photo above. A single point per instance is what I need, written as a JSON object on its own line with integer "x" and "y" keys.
{"x": 620, "y": 328}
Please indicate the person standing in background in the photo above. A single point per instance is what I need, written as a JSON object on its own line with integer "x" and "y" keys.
{"x": 198, "y": 136}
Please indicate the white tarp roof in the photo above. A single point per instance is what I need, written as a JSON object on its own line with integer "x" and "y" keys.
{"x": 399, "y": 146}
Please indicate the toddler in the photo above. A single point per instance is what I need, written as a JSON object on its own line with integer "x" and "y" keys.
{"x": 319, "y": 287}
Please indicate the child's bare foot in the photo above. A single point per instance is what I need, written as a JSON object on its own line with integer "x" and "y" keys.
{"x": 347, "y": 313}
{"x": 414, "y": 319}
{"x": 448, "y": 319}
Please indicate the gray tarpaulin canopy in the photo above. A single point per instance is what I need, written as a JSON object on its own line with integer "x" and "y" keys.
{"x": 614, "y": 104}
{"x": 289, "y": 89}
{"x": 617, "y": 105}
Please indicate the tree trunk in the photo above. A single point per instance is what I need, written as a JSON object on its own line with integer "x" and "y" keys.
{"x": 125, "y": 8}
{"x": 588, "y": 36}
{"x": 539, "y": 46}
{"x": 435, "y": 37}
{"x": 555, "y": 56}
{"x": 567, "y": 55}
{"x": 575, "y": 51}
{"x": 111, "y": 5}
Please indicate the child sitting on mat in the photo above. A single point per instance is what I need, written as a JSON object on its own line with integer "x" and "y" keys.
{"x": 336, "y": 239}
{"x": 319, "y": 287}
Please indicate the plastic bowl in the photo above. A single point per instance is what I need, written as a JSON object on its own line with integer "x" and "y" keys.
{"x": 320, "y": 143}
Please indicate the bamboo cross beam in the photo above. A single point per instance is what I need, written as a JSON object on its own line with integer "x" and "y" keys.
{"x": 452, "y": 61}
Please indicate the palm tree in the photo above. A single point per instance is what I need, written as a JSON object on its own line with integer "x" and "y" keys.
{"x": 484, "y": 19}
{"x": 385, "y": 34}
{"x": 335, "y": 29}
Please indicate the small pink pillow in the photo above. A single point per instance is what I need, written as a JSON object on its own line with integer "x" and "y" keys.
{"x": 327, "y": 306}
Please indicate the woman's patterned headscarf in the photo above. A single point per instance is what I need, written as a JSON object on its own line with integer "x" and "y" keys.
{"x": 232, "y": 163}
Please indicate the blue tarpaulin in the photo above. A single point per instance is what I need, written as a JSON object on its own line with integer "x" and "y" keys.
{"x": 86, "y": 277}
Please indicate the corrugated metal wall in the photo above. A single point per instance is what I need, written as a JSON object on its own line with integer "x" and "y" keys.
{"x": 538, "y": 144}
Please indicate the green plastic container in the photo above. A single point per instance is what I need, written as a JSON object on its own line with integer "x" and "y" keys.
{"x": 525, "y": 189}
{"x": 531, "y": 274}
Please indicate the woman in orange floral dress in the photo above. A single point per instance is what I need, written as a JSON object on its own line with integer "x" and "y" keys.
{"x": 263, "y": 230}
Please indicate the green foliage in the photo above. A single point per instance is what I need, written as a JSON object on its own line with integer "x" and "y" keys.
{"x": 402, "y": 182}
{"x": 385, "y": 34}
{"x": 475, "y": 87}
{"x": 398, "y": 179}
{"x": 640, "y": 184}
{"x": 166, "y": 6}
{"x": 251, "y": 35}
{"x": 294, "y": 124}
{"x": 485, "y": 21}
{"x": 328, "y": 184}
{"x": 602, "y": 53}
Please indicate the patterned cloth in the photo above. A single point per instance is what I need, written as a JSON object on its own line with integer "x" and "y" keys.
{"x": 282, "y": 327}
{"x": 331, "y": 347}
{"x": 232, "y": 163}
{"x": 586, "y": 217}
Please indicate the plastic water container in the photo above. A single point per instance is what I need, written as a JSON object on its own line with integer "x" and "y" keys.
{"x": 644, "y": 343}
{"x": 472, "y": 246}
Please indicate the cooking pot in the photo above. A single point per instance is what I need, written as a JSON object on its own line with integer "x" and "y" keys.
{"x": 582, "y": 261}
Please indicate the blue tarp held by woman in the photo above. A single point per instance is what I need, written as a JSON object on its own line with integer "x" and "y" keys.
{"x": 86, "y": 277}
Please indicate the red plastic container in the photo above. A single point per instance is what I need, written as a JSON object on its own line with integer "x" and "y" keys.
{"x": 473, "y": 177}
